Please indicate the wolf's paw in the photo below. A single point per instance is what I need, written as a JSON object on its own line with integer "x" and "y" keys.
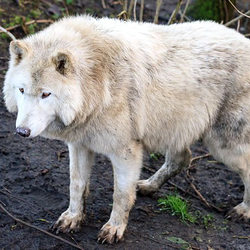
{"x": 145, "y": 187}
{"x": 240, "y": 213}
{"x": 68, "y": 222}
{"x": 111, "y": 234}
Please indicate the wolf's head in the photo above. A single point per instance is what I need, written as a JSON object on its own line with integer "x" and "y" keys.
{"x": 59, "y": 74}
{"x": 41, "y": 85}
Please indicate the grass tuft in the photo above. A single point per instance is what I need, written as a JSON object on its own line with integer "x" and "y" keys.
{"x": 177, "y": 206}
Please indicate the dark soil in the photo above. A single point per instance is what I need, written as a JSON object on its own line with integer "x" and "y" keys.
{"x": 34, "y": 179}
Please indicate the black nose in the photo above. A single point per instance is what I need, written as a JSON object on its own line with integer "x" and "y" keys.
{"x": 25, "y": 132}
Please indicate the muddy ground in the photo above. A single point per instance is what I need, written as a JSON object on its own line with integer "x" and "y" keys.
{"x": 34, "y": 177}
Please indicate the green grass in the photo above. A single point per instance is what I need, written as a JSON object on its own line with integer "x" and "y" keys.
{"x": 207, "y": 220}
{"x": 155, "y": 156}
{"x": 178, "y": 207}
{"x": 69, "y": 2}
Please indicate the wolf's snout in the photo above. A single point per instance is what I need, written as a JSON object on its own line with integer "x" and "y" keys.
{"x": 25, "y": 132}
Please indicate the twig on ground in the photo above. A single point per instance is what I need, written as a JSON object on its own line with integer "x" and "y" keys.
{"x": 130, "y": 8}
{"x": 185, "y": 17}
{"x": 157, "y": 12}
{"x": 60, "y": 154}
{"x": 37, "y": 228}
{"x": 1, "y": 202}
{"x": 243, "y": 14}
{"x": 135, "y": 10}
{"x": 173, "y": 16}
{"x": 7, "y": 190}
{"x": 27, "y": 202}
{"x": 198, "y": 196}
{"x": 242, "y": 237}
{"x": 24, "y": 27}
{"x": 238, "y": 25}
{"x": 184, "y": 12}
{"x": 182, "y": 190}
{"x": 192, "y": 184}
{"x": 194, "y": 196}
{"x": 8, "y": 33}
{"x": 124, "y": 12}
{"x": 32, "y": 204}
{"x": 27, "y": 23}
{"x": 236, "y": 19}
{"x": 125, "y": 5}
{"x": 149, "y": 169}
{"x": 141, "y": 10}
{"x": 197, "y": 158}
{"x": 103, "y": 4}
{"x": 198, "y": 193}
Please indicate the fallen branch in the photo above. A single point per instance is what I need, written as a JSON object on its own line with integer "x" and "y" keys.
{"x": 149, "y": 169}
{"x": 60, "y": 154}
{"x": 184, "y": 12}
{"x": 103, "y": 4}
{"x": 183, "y": 190}
{"x": 236, "y": 19}
{"x": 200, "y": 157}
{"x": 199, "y": 194}
{"x": 141, "y": 10}
{"x": 197, "y": 158}
{"x": 27, "y": 202}
{"x": 130, "y": 8}
{"x": 185, "y": 17}
{"x": 37, "y": 228}
{"x": 173, "y": 16}
{"x": 122, "y": 14}
{"x": 8, "y": 33}
{"x": 194, "y": 196}
{"x": 27, "y": 23}
{"x": 245, "y": 15}
{"x": 134, "y": 10}
{"x": 157, "y": 12}
{"x": 242, "y": 237}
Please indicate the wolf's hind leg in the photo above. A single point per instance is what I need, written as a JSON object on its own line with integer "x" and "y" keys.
{"x": 236, "y": 157}
{"x": 241, "y": 164}
{"x": 174, "y": 163}
{"x": 81, "y": 160}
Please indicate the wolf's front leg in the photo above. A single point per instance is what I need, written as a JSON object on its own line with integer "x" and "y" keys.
{"x": 127, "y": 166}
{"x": 81, "y": 160}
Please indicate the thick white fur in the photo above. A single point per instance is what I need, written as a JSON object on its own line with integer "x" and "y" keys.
{"x": 130, "y": 86}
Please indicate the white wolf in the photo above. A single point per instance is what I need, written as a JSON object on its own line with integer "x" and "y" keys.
{"x": 115, "y": 87}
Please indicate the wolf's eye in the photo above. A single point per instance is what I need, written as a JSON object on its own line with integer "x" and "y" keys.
{"x": 45, "y": 95}
{"x": 21, "y": 90}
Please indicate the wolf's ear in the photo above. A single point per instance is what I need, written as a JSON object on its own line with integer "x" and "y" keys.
{"x": 18, "y": 50}
{"x": 63, "y": 62}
